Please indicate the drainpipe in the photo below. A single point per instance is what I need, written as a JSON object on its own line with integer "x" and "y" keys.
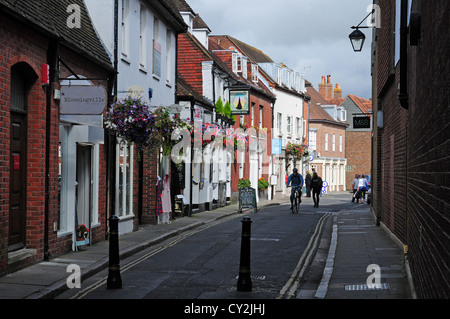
{"x": 52, "y": 60}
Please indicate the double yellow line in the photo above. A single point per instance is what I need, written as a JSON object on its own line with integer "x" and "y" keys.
{"x": 289, "y": 289}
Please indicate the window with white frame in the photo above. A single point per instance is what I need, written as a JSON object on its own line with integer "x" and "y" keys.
{"x": 340, "y": 143}
{"x": 289, "y": 125}
{"x": 124, "y": 178}
{"x": 298, "y": 125}
{"x": 279, "y": 123}
{"x": 168, "y": 56}
{"x": 125, "y": 27}
{"x": 333, "y": 136}
{"x": 143, "y": 36}
{"x": 255, "y": 72}
{"x": 236, "y": 61}
{"x": 279, "y": 73}
{"x": 304, "y": 128}
{"x": 244, "y": 66}
{"x": 312, "y": 140}
{"x": 156, "y": 49}
{"x": 326, "y": 141}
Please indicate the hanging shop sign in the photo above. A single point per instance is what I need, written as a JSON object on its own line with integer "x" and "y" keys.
{"x": 361, "y": 122}
{"x": 239, "y": 100}
{"x": 82, "y": 99}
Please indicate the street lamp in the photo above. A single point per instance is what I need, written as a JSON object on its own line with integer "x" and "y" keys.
{"x": 357, "y": 37}
{"x": 357, "y": 40}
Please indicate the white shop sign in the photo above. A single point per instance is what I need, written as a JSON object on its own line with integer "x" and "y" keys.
{"x": 82, "y": 99}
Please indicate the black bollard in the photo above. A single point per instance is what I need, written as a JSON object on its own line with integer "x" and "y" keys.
{"x": 244, "y": 281}
{"x": 114, "y": 279}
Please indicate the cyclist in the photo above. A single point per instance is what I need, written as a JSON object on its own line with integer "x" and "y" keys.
{"x": 297, "y": 181}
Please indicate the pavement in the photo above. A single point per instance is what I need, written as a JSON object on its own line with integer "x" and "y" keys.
{"x": 339, "y": 269}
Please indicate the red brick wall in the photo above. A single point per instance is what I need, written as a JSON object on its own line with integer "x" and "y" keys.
{"x": 258, "y": 100}
{"x": 413, "y": 196}
{"x": 358, "y": 154}
{"x": 429, "y": 152}
{"x": 22, "y": 44}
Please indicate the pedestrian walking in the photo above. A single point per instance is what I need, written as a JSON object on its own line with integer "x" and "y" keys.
{"x": 355, "y": 187}
{"x": 308, "y": 184}
{"x": 316, "y": 186}
{"x": 362, "y": 188}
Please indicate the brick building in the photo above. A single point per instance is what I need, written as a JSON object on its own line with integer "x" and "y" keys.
{"x": 255, "y": 162}
{"x": 411, "y": 140}
{"x": 358, "y": 139}
{"x": 327, "y": 140}
{"x": 42, "y": 47}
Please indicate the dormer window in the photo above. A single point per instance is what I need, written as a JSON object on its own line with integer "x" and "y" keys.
{"x": 236, "y": 62}
{"x": 255, "y": 73}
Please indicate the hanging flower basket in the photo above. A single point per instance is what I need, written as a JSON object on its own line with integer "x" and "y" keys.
{"x": 297, "y": 150}
{"x": 131, "y": 120}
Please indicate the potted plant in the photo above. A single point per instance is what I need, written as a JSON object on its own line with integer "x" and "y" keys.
{"x": 262, "y": 188}
{"x": 244, "y": 182}
{"x": 82, "y": 232}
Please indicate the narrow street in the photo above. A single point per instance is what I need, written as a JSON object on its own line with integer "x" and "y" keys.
{"x": 204, "y": 263}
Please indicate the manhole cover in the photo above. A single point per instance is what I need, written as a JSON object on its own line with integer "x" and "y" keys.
{"x": 366, "y": 287}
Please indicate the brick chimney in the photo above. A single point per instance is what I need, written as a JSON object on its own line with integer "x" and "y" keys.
{"x": 322, "y": 86}
{"x": 329, "y": 89}
{"x": 338, "y": 92}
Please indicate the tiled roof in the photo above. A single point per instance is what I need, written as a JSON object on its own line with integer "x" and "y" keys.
{"x": 182, "y": 6}
{"x": 316, "y": 112}
{"x": 171, "y": 12}
{"x": 253, "y": 53}
{"x": 50, "y": 16}
{"x": 364, "y": 105}
{"x": 184, "y": 90}
{"x": 198, "y": 23}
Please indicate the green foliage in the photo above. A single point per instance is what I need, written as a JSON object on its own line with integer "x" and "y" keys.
{"x": 244, "y": 182}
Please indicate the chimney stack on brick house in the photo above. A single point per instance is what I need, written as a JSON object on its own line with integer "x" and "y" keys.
{"x": 338, "y": 92}
{"x": 326, "y": 89}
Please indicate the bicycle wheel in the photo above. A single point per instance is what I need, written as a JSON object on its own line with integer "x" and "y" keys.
{"x": 296, "y": 203}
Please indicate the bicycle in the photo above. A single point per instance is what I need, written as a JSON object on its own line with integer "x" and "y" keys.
{"x": 297, "y": 200}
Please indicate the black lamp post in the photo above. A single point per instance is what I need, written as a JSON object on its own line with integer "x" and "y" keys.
{"x": 357, "y": 37}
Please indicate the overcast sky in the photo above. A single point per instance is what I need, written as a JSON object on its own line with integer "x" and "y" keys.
{"x": 309, "y": 36}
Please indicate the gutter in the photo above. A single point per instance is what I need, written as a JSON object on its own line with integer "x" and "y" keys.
{"x": 52, "y": 61}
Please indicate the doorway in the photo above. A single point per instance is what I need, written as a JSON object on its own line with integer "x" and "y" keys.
{"x": 83, "y": 210}
{"x": 18, "y": 171}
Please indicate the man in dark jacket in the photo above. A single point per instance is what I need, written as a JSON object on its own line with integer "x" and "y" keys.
{"x": 308, "y": 184}
{"x": 316, "y": 185}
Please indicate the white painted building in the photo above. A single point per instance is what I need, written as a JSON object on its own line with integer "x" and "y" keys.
{"x": 289, "y": 123}
{"x": 146, "y": 64}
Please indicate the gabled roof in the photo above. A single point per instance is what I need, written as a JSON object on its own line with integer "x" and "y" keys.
{"x": 50, "y": 17}
{"x": 253, "y": 53}
{"x": 169, "y": 10}
{"x": 364, "y": 105}
{"x": 316, "y": 112}
{"x": 183, "y": 6}
{"x": 198, "y": 23}
{"x": 185, "y": 91}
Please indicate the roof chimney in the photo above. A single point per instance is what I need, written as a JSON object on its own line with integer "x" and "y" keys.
{"x": 337, "y": 92}
{"x": 322, "y": 87}
{"x": 328, "y": 89}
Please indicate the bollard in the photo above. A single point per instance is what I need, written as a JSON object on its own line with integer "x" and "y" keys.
{"x": 244, "y": 281}
{"x": 114, "y": 279}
